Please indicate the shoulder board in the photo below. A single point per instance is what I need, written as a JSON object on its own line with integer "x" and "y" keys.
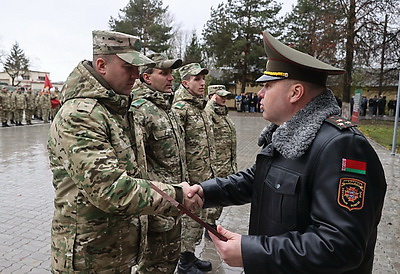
{"x": 86, "y": 105}
{"x": 178, "y": 105}
{"x": 339, "y": 122}
{"x": 137, "y": 103}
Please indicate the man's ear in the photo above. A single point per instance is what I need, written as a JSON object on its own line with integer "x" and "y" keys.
{"x": 146, "y": 78}
{"x": 101, "y": 66}
{"x": 296, "y": 92}
{"x": 185, "y": 83}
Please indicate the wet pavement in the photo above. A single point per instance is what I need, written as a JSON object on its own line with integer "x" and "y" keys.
{"x": 26, "y": 201}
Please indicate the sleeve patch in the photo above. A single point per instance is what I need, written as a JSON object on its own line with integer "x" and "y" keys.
{"x": 351, "y": 193}
{"x": 137, "y": 103}
{"x": 86, "y": 105}
{"x": 178, "y": 105}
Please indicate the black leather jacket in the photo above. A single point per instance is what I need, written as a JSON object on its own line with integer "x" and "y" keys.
{"x": 307, "y": 215}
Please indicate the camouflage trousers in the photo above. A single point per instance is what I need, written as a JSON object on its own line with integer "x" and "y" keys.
{"x": 162, "y": 248}
{"x": 4, "y": 115}
{"x": 45, "y": 114}
{"x": 18, "y": 113}
{"x": 28, "y": 115}
{"x": 192, "y": 232}
{"x": 213, "y": 214}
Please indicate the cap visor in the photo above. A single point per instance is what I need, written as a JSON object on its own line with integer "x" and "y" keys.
{"x": 267, "y": 78}
{"x": 135, "y": 58}
{"x": 201, "y": 71}
{"x": 172, "y": 64}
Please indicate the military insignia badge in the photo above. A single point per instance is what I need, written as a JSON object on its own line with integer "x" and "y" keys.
{"x": 351, "y": 193}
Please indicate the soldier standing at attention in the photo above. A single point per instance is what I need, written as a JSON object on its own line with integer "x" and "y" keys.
{"x": 30, "y": 106}
{"x": 224, "y": 141}
{"x": 189, "y": 103}
{"x": 20, "y": 106}
{"x": 98, "y": 193}
{"x": 317, "y": 187}
{"x": 165, "y": 157}
{"x": 5, "y": 106}
{"x": 45, "y": 105}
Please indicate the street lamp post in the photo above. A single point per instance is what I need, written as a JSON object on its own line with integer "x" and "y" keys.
{"x": 396, "y": 119}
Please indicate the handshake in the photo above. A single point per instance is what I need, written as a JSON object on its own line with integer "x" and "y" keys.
{"x": 193, "y": 198}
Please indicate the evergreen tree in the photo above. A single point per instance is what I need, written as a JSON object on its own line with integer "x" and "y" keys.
{"x": 193, "y": 52}
{"x": 146, "y": 19}
{"x": 16, "y": 63}
{"x": 232, "y": 37}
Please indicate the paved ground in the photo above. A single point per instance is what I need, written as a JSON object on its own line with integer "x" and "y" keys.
{"x": 26, "y": 201}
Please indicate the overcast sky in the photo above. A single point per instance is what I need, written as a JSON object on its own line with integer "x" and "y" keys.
{"x": 56, "y": 34}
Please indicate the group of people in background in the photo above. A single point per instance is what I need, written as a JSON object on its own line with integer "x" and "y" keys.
{"x": 377, "y": 106}
{"x": 248, "y": 102}
{"x": 27, "y": 104}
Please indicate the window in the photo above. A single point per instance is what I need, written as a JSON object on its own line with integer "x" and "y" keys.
{"x": 41, "y": 78}
{"x": 25, "y": 77}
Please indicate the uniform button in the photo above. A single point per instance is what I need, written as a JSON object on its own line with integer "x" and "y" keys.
{"x": 278, "y": 186}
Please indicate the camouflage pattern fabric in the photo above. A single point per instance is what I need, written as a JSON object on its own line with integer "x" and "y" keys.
{"x": 98, "y": 193}
{"x": 45, "y": 106}
{"x": 165, "y": 158}
{"x": 5, "y": 103}
{"x": 30, "y": 106}
{"x": 225, "y": 147}
{"x": 199, "y": 154}
{"x": 20, "y": 105}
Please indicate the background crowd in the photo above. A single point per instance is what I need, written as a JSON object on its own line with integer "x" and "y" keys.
{"x": 25, "y": 104}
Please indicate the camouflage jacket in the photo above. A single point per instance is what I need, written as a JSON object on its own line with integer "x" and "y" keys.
{"x": 98, "y": 195}
{"x": 19, "y": 100}
{"x": 5, "y": 100}
{"x": 30, "y": 100}
{"x": 44, "y": 101}
{"x": 163, "y": 139}
{"x": 163, "y": 142}
{"x": 198, "y": 135}
{"x": 224, "y": 139}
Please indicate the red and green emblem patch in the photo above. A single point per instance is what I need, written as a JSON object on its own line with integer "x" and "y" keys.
{"x": 351, "y": 193}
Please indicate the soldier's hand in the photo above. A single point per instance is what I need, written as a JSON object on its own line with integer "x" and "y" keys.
{"x": 193, "y": 202}
{"x": 196, "y": 189}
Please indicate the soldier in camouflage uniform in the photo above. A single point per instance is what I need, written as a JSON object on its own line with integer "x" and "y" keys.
{"x": 45, "y": 105}
{"x": 30, "y": 106}
{"x": 98, "y": 193}
{"x": 165, "y": 156}
{"x": 20, "y": 106}
{"x": 224, "y": 141}
{"x": 5, "y": 106}
{"x": 189, "y": 103}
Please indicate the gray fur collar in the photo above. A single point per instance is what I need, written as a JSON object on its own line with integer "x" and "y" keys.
{"x": 293, "y": 137}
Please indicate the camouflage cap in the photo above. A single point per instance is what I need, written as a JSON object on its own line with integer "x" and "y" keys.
{"x": 162, "y": 61}
{"x": 287, "y": 63}
{"x": 125, "y": 46}
{"x": 218, "y": 89}
{"x": 192, "y": 69}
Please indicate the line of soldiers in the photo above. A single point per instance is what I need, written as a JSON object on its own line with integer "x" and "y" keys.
{"x": 39, "y": 105}
{"x": 109, "y": 220}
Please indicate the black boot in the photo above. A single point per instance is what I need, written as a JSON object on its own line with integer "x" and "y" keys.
{"x": 5, "y": 124}
{"x": 190, "y": 264}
